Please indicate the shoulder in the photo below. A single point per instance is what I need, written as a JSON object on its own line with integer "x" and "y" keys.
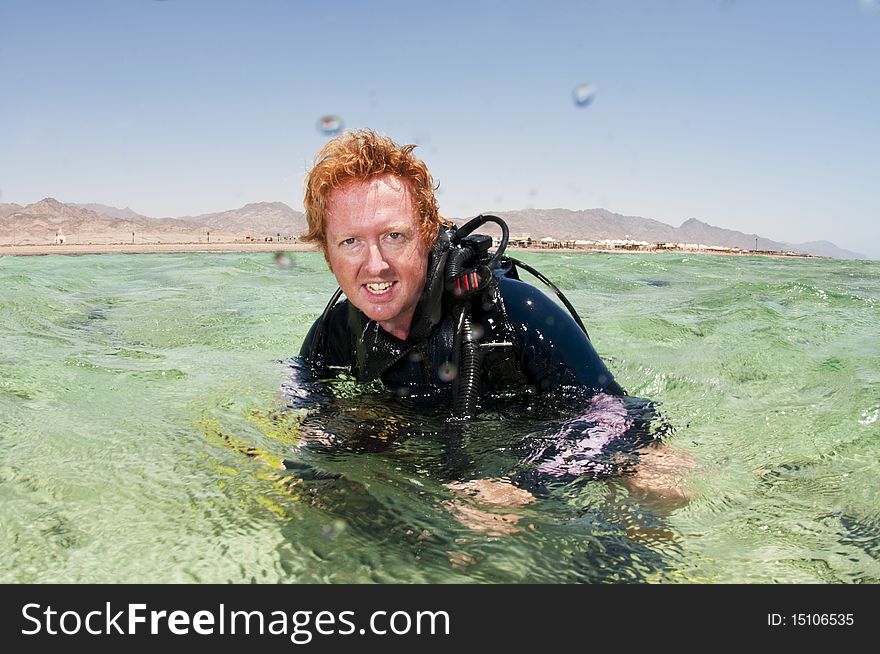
{"x": 531, "y": 307}
{"x": 554, "y": 350}
{"x": 329, "y": 341}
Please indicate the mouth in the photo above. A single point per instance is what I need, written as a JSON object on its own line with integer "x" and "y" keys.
{"x": 379, "y": 288}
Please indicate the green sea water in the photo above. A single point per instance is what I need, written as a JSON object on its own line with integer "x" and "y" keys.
{"x": 143, "y": 419}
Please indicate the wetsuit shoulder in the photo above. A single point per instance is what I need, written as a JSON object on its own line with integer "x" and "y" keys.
{"x": 330, "y": 344}
{"x": 553, "y": 349}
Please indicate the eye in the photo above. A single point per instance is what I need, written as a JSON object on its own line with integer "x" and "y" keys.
{"x": 348, "y": 241}
{"x": 395, "y": 235}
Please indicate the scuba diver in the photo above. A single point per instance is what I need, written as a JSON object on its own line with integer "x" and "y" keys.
{"x": 432, "y": 312}
{"x": 429, "y": 309}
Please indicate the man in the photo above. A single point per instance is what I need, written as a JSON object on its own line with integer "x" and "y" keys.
{"x": 371, "y": 208}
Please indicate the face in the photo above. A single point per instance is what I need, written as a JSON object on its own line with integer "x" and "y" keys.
{"x": 375, "y": 251}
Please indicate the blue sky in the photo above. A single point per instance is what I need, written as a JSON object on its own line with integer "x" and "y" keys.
{"x": 751, "y": 115}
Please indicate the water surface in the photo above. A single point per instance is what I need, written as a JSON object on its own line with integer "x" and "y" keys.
{"x": 143, "y": 421}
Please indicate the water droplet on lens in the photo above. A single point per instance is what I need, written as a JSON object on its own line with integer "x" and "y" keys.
{"x": 447, "y": 371}
{"x": 583, "y": 94}
{"x": 330, "y": 125}
{"x": 550, "y": 320}
{"x": 416, "y": 356}
{"x": 477, "y": 332}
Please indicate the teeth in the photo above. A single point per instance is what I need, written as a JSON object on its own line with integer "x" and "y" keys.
{"x": 381, "y": 287}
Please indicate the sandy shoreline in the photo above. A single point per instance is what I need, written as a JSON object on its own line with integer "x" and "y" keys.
{"x": 172, "y": 248}
{"x": 151, "y": 248}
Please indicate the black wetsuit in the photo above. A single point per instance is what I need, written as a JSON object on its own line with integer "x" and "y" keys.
{"x": 529, "y": 344}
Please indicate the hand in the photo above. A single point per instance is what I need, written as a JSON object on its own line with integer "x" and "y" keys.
{"x": 660, "y": 477}
{"x": 493, "y": 494}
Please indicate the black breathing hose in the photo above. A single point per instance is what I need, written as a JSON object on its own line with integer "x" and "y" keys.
{"x": 559, "y": 294}
{"x": 468, "y": 357}
{"x": 470, "y": 371}
{"x": 479, "y": 221}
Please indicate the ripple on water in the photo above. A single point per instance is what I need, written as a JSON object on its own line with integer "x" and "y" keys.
{"x": 870, "y": 416}
{"x": 767, "y": 371}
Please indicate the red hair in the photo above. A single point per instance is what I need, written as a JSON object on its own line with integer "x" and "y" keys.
{"x": 359, "y": 155}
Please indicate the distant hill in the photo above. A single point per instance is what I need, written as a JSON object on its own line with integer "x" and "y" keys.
{"x": 41, "y": 221}
{"x": 824, "y": 249}
{"x": 260, "y": 218}
{"x": 596, "y": 224}
{"x": 586, "y": 224}
{"x": 113, "y": 212}
{"x": 8, "y": 208}
{"x": 98, "y": 223}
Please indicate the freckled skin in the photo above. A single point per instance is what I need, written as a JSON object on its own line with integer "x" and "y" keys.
{"x": 375, "y": 251}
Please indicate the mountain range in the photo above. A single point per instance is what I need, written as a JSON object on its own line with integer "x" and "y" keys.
{"x": 597, "y": 224}
{"x": 40, "y": 222}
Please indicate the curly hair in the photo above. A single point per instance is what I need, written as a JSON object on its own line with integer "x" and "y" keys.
{"x": 359, "y": 155}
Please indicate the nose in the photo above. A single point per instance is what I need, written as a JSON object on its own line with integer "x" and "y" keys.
{"x": 376, "y": 264}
